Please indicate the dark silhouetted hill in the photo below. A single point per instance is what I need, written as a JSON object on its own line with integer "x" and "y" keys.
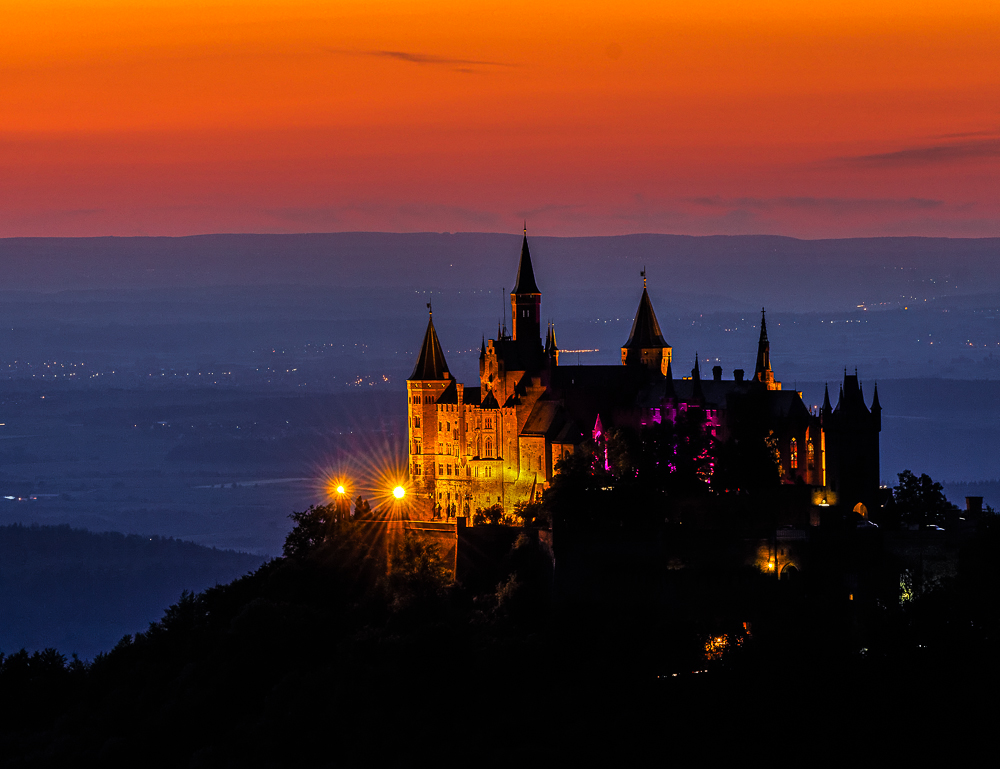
{"x": 81, "y": 591}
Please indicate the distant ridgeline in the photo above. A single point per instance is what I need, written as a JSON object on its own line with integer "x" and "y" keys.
{"x": 81, "y": 591}
{"x": 500, "y": 443}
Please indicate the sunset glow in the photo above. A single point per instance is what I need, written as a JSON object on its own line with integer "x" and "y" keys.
{"x": 815, "y": 120}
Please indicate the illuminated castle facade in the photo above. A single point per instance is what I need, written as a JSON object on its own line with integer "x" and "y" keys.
{"x": 498, "y": 443}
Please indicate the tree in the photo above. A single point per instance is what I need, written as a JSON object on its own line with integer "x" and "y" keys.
{"x": 312, "y": 527}
{"x": 920, "y": 500}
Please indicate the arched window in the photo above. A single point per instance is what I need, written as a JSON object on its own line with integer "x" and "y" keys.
{"x": 793, "y": 454}
{"x": 810, "y": 453}
{"x": 489, "y": 447}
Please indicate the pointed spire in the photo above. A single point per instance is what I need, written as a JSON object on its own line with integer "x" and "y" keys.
{"x": 645, "y": 328}
{"x": 430, "y": 363}
{"x": 669, "y": 391}
{"x": 877, "y": 410}
{"x": 696, "y": 392}
{"x": 826, "y": 398}
{"x": 482, "y": 349}
{"x": 550, "y": 340}
{"x": 525, "y": 283}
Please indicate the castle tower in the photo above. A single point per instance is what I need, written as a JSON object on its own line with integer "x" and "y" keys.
{"x": 425, "y": 387}
{"x": 762, "y": 372}
{"x": 852, "y": 438}
{"x": 646, "y": 345}
{"x": 526, "y": 301}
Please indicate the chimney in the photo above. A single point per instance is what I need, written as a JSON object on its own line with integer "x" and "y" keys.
{"x": 716, "y": 373}
{"x": 738, "y": 375}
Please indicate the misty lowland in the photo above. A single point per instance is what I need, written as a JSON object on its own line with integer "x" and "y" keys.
{"x": 168, "y": 404}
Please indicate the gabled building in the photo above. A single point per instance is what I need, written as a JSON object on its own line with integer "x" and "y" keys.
{"x": 499, "y": 443}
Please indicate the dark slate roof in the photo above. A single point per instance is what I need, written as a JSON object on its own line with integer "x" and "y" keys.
{"x": 430, "y": 363}
{"x": 449, "y": 394}
{"x": 490, "y": 401}
{"x": 605, "y": 390}
{"x": 520, "y": 354}
{"x": 546, "y": 418}
{"x": 852, "y": 400}
{"x": 714, "y": 393}
{"x": 472, "y": 396}
{"x": 525, "y": 283}
{"x": 645, "y": 328}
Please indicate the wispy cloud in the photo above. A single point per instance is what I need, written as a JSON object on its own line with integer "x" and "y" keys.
{"x": 973, "y": 149}
{"x": 466, "y": 66}
{"x": 992, "y": 132}
{"x": 832, "y": 205}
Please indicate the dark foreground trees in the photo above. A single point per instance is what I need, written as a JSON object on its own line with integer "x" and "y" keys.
{"x": 324, "y": 658}
{"x": 920, "y": 500}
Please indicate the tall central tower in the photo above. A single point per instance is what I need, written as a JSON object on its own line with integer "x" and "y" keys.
{"x": 526, "y": 301}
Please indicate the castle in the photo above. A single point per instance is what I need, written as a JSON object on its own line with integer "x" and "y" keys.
{"x": 499, "y": 443}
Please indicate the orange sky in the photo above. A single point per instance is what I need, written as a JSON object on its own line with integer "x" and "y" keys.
{"x": 185, "y": 117}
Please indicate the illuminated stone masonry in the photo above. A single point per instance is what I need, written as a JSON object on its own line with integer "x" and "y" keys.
{"x": 472, "y": 448}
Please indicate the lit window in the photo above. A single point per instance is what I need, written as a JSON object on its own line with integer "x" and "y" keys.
{"x": 448, "y": 470}
{"x": 793, "y": 454}
{"x": 810, "y": 452}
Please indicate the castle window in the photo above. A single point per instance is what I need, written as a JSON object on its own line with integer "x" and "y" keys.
{"x": 440, "y": 469}
{"x": 440, "y": 425}
{"x": 448, "y": 426}
{"x": 793, "y": 454}
{"x": 416, "y": 446}
{"x": 489, "y": 423}
{"x": 468, "y": 472}
{"x": 489, "y": 447}
{"x": 455, "y": 433}
{"x": 416, "y": 468}
{"x": 449, "y": 469}
{"x": 810, "y": 453}
{"x": 416, "y": 421}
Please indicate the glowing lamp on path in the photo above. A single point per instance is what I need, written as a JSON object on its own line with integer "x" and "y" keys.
{"x": 398, "y": 492}
{"x": 340, "y": 489}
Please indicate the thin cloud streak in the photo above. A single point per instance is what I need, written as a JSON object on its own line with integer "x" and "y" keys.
{"x": 837, "y": 205}
{"x": 425, "y": 58}
{"x": 930, "y": 155}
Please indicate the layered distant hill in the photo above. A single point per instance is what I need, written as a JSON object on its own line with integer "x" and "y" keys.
{"x": 712, "y": 273}
{"x": 81, "y": 591}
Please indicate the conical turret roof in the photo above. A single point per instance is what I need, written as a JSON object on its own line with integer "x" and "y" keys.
{"x": 669, "y": 391}
{"x": 645, "y": 328}
{"x": 763, "y": 351}
{"x": 430, "y": 363}
{"x": 525, "y": 283}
